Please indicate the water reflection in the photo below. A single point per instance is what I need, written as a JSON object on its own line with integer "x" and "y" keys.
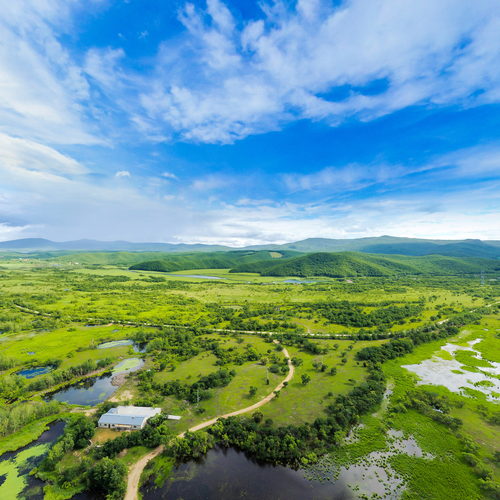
{"x": 226, "y": 474}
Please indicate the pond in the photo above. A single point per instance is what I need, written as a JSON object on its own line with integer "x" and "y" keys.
{"x": 15, "y": 466}
{"x": 226, "y": 474}
{"x": 119, "y": 343}
{"x": 95, "y": 390}
{"x": 34, "y": 372}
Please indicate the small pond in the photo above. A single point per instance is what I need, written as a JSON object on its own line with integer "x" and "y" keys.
{"x": 119, "y": 343}
{"x": 95, "y": 390}
{"x": 227, "y": 474}
{"x": 34, "y": 372}
{"x": 15, "y": 466}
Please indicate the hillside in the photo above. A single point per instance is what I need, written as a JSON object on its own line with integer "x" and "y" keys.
{"x": 210, "y": 260}
{"x": 349, "y": 264}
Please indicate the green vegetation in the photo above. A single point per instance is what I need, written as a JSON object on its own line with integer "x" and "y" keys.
{"x": 205, "y": 348}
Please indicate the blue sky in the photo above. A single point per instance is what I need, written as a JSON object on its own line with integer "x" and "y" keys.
{"x": 249, "y": 122}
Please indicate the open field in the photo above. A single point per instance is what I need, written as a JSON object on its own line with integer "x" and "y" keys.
{"x": 56, "y": 315}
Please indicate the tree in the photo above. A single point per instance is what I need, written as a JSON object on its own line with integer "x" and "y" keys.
{"x": 252, "y": 391}
{"x": 82, "y": 430}
{"x": 108, "y": 477}
{"x": 305, "y": 378}
{"x": 257, "y": 416}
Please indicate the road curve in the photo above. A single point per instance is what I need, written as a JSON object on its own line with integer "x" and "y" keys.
{"x": 135, "y": 471}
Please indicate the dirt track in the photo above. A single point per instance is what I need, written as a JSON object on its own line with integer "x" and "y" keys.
{"x": 135, "y": 471}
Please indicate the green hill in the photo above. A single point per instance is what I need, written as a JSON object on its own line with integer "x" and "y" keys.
{"x": 349, "y": 264}
{"x": 210, "y": 260}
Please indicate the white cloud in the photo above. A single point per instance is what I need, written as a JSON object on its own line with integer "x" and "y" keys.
{"x": 122, "y": 173}
{"x": 252, "y": 77}
{"x": 169, "y": 175}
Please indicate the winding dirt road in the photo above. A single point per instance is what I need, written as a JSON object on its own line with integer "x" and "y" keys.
{"x": 135, "y": 471}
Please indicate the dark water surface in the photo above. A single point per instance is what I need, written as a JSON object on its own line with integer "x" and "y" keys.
{"x": 55, "y": 429}
{"x": 227, "y": 474}
{"x": 91, "y": 391}
{"x": 34, "y": 487}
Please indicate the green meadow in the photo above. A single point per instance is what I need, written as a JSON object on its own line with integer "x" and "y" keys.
{"x": 56, "y": 312}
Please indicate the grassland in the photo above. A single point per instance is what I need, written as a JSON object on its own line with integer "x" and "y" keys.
{"x": 57, "y": 310}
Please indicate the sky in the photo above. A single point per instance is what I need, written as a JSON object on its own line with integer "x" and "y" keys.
{"x": 245, "y": 122}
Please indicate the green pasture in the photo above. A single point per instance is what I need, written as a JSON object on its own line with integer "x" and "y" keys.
{"x": 299, "y": 403}
{"x": 73, "y": 344}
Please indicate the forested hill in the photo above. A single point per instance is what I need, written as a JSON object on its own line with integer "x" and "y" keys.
{"x": 346, "y": 264}
{"x": 210, "y": 260}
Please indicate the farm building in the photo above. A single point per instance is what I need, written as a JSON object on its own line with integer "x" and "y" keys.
{"x": 127, "y": 417}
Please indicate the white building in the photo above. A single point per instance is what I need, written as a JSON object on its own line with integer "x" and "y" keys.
{"x": 127, "y": 417}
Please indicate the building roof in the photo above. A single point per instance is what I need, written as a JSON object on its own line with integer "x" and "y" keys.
{"x": 128, "y": 415}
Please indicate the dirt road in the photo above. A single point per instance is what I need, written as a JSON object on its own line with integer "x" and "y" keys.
{"x": 135, "y": 471}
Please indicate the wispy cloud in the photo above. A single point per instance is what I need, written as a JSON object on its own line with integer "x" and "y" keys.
{"x": 42, "y": 88}
{"x": 24, "y": 153}
{"x": 211, "y": 183}
{"x": 169, "y": 175}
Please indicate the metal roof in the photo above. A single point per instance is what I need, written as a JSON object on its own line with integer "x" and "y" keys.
{"x": 128, "y": 415}
{"x": 122, "y": 419}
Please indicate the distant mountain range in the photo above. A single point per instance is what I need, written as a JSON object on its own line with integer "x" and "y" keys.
{"x": 375, "y": 245}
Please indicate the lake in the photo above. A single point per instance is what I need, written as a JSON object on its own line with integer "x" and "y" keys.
{"x": 227, "y": 474}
